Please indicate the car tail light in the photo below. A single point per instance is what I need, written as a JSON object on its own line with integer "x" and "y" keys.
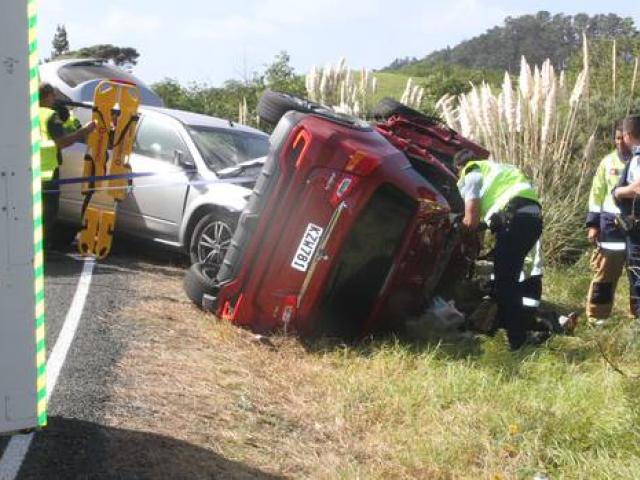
{"x": 362, "y": 164}
{"x": 300, "y": 146}
{"x": 289, "y": 308}
{"x": 229, "y": 312}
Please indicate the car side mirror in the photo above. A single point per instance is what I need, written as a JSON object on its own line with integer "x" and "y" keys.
{"x": 182, "y": 160}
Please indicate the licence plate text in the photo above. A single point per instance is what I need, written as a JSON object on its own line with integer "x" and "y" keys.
{"x": 307, "y": 247}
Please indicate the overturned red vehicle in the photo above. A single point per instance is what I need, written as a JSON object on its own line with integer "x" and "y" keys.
{"x": 342, "y": 235}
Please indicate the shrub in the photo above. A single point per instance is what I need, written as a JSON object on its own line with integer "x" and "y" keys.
{"x": 541, "y": 126}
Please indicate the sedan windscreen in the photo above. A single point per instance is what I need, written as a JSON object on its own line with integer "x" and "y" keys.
{"x": 226, "y": 148}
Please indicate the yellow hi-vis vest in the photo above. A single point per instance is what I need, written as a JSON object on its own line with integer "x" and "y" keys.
{"x": 604, "y": 181}
{"x": 500, "y": 184}
{"x": 48, "y": 149}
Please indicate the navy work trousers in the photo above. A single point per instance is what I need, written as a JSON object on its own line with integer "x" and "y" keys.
{"x": 513, "y": 242}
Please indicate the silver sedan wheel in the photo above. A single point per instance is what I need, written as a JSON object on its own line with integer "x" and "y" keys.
{"x": 213, "y": 243}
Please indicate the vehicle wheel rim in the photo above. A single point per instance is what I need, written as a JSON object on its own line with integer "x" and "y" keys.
{"x": 213, "y": 244}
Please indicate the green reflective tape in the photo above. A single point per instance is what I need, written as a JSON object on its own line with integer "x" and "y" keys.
{"x": 42, "y": 394}
{"x": 38, "y": 272}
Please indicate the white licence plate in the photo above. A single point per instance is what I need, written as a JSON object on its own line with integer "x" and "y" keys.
{"x": 307, "y": 247}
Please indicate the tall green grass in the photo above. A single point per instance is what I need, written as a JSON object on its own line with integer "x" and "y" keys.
{"x": 475, "y": 410}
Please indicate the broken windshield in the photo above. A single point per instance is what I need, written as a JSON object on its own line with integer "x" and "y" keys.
{"x": 225, "y": 148}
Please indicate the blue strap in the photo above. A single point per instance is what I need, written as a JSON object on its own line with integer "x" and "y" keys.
{"x": 121, "y": 176}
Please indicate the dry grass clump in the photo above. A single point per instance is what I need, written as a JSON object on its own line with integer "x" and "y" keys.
{"x": 214, "y": 385}
{"x": 534, "y": 125}
{"x": 337, "y": 86}
{"x": 346, "y": 91}
{"x": 243, "y": 112}
{"x": 412, "y": 95}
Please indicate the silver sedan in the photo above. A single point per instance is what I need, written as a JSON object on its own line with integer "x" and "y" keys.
{"x": 203, "y": 174}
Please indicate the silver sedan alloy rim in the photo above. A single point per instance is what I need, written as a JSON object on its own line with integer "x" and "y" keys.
{"x": 213, "y": 243}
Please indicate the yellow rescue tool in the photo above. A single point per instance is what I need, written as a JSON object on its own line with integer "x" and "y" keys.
{"x": 114, "y": 131}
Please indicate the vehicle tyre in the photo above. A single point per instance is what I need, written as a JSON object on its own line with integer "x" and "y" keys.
{"x": 273, "y": 105}
{"x": 198, "y": 282}
{"x": 211, "y": 239}
{"x": 387, "y": 107}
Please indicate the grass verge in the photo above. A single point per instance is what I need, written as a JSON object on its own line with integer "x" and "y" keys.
{"x": 389, "y": 408}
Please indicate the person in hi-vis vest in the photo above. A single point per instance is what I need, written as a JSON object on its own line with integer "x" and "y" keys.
{"x": 627, "y": 197}
{"x": 501, "y": 196}
{"x": 58, "y": 130}
{"x": 608, "y": 258}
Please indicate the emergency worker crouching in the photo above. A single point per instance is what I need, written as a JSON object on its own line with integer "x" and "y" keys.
{"x": 501, "y": 195}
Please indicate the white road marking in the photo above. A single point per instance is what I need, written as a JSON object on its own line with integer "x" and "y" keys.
{"x": 14, "y": 455}
{"x": 65, "y": 337}
{"x": 18, "y": 446}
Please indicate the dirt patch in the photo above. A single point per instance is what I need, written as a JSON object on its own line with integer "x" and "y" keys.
{"x": 195, "y": 379}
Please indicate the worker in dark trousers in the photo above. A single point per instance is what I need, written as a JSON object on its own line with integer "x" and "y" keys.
{"x": 504, "y": 198}
{"x": 58, "y": 130}
{"x": 603, "y": 232}
{"x": 627, "y": 196}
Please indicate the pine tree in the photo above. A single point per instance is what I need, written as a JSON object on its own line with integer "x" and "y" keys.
{"x": 60, "y": 42}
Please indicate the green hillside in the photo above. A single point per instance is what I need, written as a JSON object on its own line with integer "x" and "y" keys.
{"x": 391, "y": 84}
{"x": 436, "y": 80}
{"x": 537, "y": 37}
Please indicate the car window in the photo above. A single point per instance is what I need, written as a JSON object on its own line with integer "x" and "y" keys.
{"x": 225, "y": 148}
{"x": 158, "y": 140}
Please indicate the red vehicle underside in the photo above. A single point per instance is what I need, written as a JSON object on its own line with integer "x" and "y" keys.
{"x": 343, "y": 234}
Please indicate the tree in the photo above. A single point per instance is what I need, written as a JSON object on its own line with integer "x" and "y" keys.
{"x": 224, "y": 101}
{"x": 125, "y": 57}
{"x": 60, "y": 42}
{"x": 280, "y": 76}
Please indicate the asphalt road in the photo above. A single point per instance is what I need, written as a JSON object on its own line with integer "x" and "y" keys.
{"x": 71, "y": 446}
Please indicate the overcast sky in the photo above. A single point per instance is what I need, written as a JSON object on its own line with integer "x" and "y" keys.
{"x": 214, "y": 40}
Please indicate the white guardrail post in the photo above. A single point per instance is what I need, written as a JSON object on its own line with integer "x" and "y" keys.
{"x": 22, "y": 347}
